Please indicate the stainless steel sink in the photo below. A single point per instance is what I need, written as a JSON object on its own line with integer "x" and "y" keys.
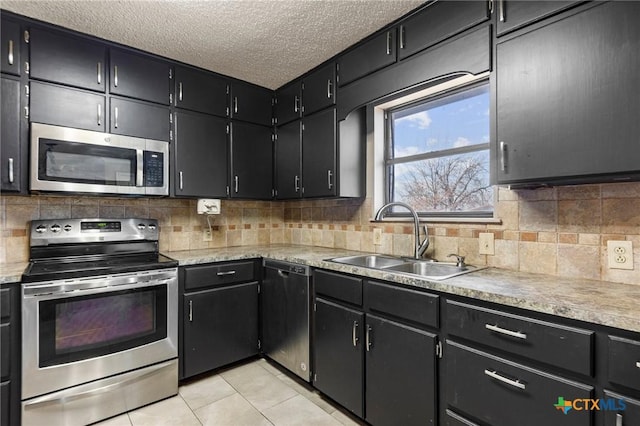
{"x": 370, "y": 261}
{"x": 432, "y": 270}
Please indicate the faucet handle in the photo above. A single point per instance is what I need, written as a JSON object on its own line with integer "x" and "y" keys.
{"x": 459, "y": 260}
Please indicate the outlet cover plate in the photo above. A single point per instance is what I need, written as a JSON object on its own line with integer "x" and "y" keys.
{"x": 620, "y": 254}
{"x": 377, "y": 236}
{"x": 486, "y": 243}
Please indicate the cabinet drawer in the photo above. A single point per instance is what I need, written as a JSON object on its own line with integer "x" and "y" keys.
{"x": 338, "y": 286}
{"x": 626, "y": 414}
{"x": 5, "y": 389}
{"x": 503, "y": 393}
{"x": 453, "y": 419}
{"x": 5, "y": 351}
{"x": 624, "y": 362}
{"x": 5, "y": 303}
{"x": 213, "y": 275}
{"x": 412, "y": 305}
{"x": 554, "y": 344}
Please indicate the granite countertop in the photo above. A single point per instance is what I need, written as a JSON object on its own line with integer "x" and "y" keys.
{"x": 12, "y": 272}
{"x": 606, "y": 303}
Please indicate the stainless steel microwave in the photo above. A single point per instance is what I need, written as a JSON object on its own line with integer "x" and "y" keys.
{"x": 74, "y": 160}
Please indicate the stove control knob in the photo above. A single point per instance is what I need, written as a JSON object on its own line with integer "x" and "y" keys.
{"x": 41, "y": 229}
{"x": 152, "y": 227}
{"x": 67, "y": 228}
{"x": 141, "y": 226}
{"x": 55, "y": 228}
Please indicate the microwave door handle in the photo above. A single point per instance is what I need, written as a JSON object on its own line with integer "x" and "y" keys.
{"x": 140, "y": 168}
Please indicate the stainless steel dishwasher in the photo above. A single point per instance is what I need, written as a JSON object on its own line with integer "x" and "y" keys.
{"x": 285, "y": 302}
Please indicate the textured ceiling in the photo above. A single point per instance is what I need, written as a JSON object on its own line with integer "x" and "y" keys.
{"x": 267, "y": 42}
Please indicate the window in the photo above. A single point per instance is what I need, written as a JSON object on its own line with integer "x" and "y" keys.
{"x": 437, "y": 154}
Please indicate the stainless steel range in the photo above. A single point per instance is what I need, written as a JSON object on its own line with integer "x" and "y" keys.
{"x": 99, "y": 320}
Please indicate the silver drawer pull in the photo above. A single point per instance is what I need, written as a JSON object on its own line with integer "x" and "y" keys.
{"x": 354, "y": 333}
{"x": 501, "y": 330}
{"x": 515, "y": 383}
{"x": 10, "y": 54}
{"x": 638, "y": 364}
{"x": 10, "y": 170}
{"x": 115, "y": 76}
{"x": 368, "y": 342}
{"x": 619, "y": 420}
{"x": 190, "y": 310}
{"x": 220, "y": 274}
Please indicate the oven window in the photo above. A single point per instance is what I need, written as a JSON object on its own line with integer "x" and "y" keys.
{"x": 85, "y": 163}
{"x": 77, "y": 328}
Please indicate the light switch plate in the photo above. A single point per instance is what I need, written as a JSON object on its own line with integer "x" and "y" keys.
{"x": 620, "y": 254}
{"x": 486, "y": 243}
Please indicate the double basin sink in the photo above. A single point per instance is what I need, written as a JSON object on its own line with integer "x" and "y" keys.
{"x": 423, "y": 268}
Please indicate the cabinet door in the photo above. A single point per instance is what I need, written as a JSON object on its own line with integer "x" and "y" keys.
{"x": 401, "y": 374}
{"x": 10, "y": 48}
{"x": 553, "y": 82}
{"x": 514, "y": 14}
{"x": 437, "y": 22}
{"x": 338, "y": 349}
{"x": 289, "y": 102}
{"x": 251, "y": 103}
{"x": 140, "y": 119}
{"x": 201, "y": 91}
{"x": 10, "y": 142}
{"x": 368, "y": 57}
{"x": 201, "y": 153}
{"x": 67, "y": 59}
{"x": 67, "y": 107}
{"x": 138, "y": 76}
{"x": 628, "y": 415}
{"x": 319, "y": 89}
{"x": 220, "y": 327}
{"x": 251, "y": 161}
{"x": 288, "y": 161}
{"x": 319, "y": 154}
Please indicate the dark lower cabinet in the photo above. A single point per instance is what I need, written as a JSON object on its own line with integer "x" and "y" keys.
{"x": 627, "y": 414}
{"x": 288, "y": 161}
{"x": 400, "y": 374}
{"x": 140, "y": 119}
{"x": 11, "y": 140}
{"x": 10, "y": 355}
{"x": 200, "y": 155}
{"x": 339, "y": 352}
{"x": 220, "y": 327}
{"x": 251, "y": 161}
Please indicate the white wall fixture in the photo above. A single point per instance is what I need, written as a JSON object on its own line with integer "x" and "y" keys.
{"x": 208, "y": 207}
{"x": 486, "y": 243}
{"x": 620, "y": 254}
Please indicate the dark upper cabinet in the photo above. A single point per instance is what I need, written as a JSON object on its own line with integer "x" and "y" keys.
{"x": 67, "y": 107}
{"x": 201, "y": 91}
{"x": 551, "y": 85}
{"x": 143, "y": 120}
{"x": 437, "y": 22}
{"x": 319, "y": 154}
{"x": 367, "y": 57}
{"x": 11, "y": 140}
{"x": 10, "y": 58}
{"x": 67, "y": 59}
{"x": 319, "y": 89}
{"x": 251, "y": 103}
{"x": 288, "y": 105}
{"x": 288, "y": 161}
{"x": 139, "y": 76}
{"x": 251, "y": 161}
{"x": 200, "y": 155}
{"x": 514, "y": 14}
{"x": 338, "y": 350}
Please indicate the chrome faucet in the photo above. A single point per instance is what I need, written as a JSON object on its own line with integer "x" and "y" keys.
{"x": 420, "y": 246}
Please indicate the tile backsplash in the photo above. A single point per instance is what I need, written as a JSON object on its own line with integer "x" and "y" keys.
{"x": 559, "y": 231}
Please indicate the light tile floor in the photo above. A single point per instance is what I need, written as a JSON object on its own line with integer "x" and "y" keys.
{"x": 254, "y": 393}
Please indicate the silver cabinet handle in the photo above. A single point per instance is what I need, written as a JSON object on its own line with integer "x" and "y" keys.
{"x": 388, "y": 42}
{"x": 515, "y": 383}
{"x": 236, "y": 183}
{"x": 296, "y": 183}
{"x": 10, "y": 170}
{"x": 501, "y": 330}
{"x": 99, "y": 72}
{"x": 368, "y": 338}
{"x": 115, "y": 75}
{"x": 501, "y": 6}
{"x": 235, "y": 104}
{"x": 26, "y": 112}
{"x": 190, "y": 310}
{"x": 180, "y": 91}
{"x": 329, "y": 179}
{"x": 503, "y": 156}
{"x": 638, "y": 364}
{"x": 223, "y": 273}
{"x": 619, "y": 419}
{"x": 354, "y": 334}
{"x": 115, "y": 117}
{"x": 296, "y": 103}
{"x": 180, "y": 178}
{"x": 402, "y": 36}
{"x": 10, "y": 55}
{"x": 99, "y": 115}
{"x": 329, "y": 88}
{"x": 490, "y": 7}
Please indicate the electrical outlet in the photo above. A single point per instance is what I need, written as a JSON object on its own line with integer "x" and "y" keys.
{"x": 620, "y": 254}
{"x": 377, "y": 236}
{"x": 206, "y": 235}
{"x": 486, "y": 243}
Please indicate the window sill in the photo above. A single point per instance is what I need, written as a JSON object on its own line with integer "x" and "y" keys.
{"x": 465, "y": 220}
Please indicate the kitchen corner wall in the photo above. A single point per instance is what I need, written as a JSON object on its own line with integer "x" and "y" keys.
{"x": 559, "y": 231}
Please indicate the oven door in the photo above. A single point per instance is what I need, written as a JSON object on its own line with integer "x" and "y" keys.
{"x": 77, "y": 331}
